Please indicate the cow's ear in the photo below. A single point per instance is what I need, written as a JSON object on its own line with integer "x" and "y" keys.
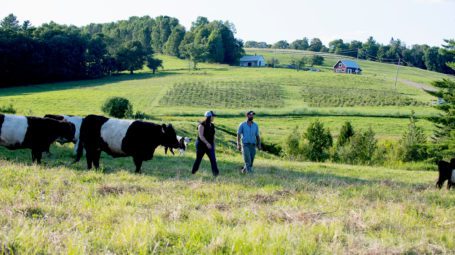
{"x": 163, "y": 128}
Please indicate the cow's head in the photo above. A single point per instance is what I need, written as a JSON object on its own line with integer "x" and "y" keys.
{"x": 183, "y": 143}
{"x": 170, "y": 137}
{"x": 66, "y": 132}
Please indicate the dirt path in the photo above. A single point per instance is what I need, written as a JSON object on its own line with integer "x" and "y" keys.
{"x": 417, "y": 85}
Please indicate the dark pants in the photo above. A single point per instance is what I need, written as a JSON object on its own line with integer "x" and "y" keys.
{"x": 201, "y": 150}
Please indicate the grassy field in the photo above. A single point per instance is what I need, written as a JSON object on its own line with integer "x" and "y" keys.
{"x": 284, "y": 208}
{"x": 146, "y": 92}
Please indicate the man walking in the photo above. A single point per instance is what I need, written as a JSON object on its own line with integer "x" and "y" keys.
{"x": 248, "y": 132}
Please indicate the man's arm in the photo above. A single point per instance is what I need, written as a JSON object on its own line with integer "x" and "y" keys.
{"x": 239, "y": 132}
{"x": 258, "y": 140}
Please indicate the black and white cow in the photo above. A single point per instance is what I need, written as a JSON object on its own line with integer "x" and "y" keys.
{"x": 76, "y": 120}
{"x": 446, "y": 172}
{"x": 20, "y": 132}
{"x": 122, "y": 138}
{"x": 183, "y": 144}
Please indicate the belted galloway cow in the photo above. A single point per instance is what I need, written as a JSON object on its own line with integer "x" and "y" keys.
{"x": 446, "y": 173}
{"x": 35, "y": 133}
{"x": 122, "y": 138}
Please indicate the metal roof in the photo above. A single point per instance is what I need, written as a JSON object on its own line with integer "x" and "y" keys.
{"x": 349, "y": 63}
{"x": 252, "y": 58}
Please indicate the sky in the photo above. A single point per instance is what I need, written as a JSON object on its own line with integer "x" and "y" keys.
{"x": 412, "y": 21}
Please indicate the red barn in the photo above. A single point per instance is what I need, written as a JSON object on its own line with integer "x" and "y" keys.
{"x": 347, "y": 66}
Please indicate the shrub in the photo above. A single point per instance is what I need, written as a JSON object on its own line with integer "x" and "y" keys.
{"x": 141, "y": 116}
{"x": 117, "y": 107}
{"x": 360, "y": 150}
{"x": 346, "y": 132}
{"x": 317, "y": 60}
{"x": 411, "y": 142}
{"x": 8, "y": 109}
{"x": 364, "y": 145}
{"x": 291, "y": 146}
{"x": 387, "y": 153}
{"x": 273, "y": 62}
{"x": 318, "y": 141}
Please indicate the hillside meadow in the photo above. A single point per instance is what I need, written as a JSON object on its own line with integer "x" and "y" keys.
{"x": 286, "y": 207}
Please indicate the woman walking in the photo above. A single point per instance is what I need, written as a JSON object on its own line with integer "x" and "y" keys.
{"x": 205, "y": 143}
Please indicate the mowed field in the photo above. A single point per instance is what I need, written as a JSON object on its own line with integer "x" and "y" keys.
{"x": 284, "y": 208}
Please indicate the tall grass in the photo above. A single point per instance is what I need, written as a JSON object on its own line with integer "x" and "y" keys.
{"x": 296, "y": 208}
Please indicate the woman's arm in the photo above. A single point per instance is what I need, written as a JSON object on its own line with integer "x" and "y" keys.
{"x": 201, "y": 136}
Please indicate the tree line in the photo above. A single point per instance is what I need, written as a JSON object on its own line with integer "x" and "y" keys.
{"x": 420, "y": 56}
{"x": 54, "y": 52}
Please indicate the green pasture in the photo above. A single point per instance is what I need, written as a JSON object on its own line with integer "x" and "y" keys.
{"x": 161, "y": 94}
{"x": 286, "y": 207}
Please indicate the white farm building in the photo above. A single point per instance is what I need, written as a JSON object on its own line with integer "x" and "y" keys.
{"x": 252, "y": 61}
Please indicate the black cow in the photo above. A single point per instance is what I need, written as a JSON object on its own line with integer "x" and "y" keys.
{"x": 122, "y": 138}
{"x": 446, "y": 172}
{"x": 20, "y": 132}
{"x": 183, "y": 144}
{"x": 76, "y": 120}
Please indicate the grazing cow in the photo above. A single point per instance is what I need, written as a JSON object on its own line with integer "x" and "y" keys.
{"x": 446, "y": 172}
{"x": 20, "y": 132}
{"x": 122, "y": 138}
{"x": 76, "y": 120}
{"x": 183, "y": 144}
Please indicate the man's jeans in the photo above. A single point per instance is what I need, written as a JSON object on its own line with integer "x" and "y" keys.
{"x": 249, "y": 151}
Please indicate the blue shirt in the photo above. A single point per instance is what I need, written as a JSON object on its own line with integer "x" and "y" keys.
{"x": 248, "y": 133}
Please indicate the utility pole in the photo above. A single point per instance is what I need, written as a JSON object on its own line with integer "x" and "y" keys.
{"x": 274, "y": 58}
{"x": 396, "y": 76}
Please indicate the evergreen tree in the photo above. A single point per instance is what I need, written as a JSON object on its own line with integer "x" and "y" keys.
{"x": 346, "y": 132}
{"x": 318, "y": 141}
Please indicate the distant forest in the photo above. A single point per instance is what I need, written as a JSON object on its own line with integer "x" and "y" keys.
{"x": 53, "y": 52}
{"x": 421, "y": 56}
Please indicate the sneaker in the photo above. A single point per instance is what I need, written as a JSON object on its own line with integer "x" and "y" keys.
{"x": 243, "y": 170}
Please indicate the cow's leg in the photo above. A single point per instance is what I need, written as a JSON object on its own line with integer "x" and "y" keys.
{"x": 33, "y": 156}
{"x": 449, "y": 184}
{"x": 138, "y": 162}
{"x": 36, "y": 155}
{"x": 89, "y": 157}
{"x": 96, "y": 158}
{"x": 39, "y": 155}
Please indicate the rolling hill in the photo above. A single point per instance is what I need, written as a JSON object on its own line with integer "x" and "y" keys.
{"x": 286, "y": 207}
